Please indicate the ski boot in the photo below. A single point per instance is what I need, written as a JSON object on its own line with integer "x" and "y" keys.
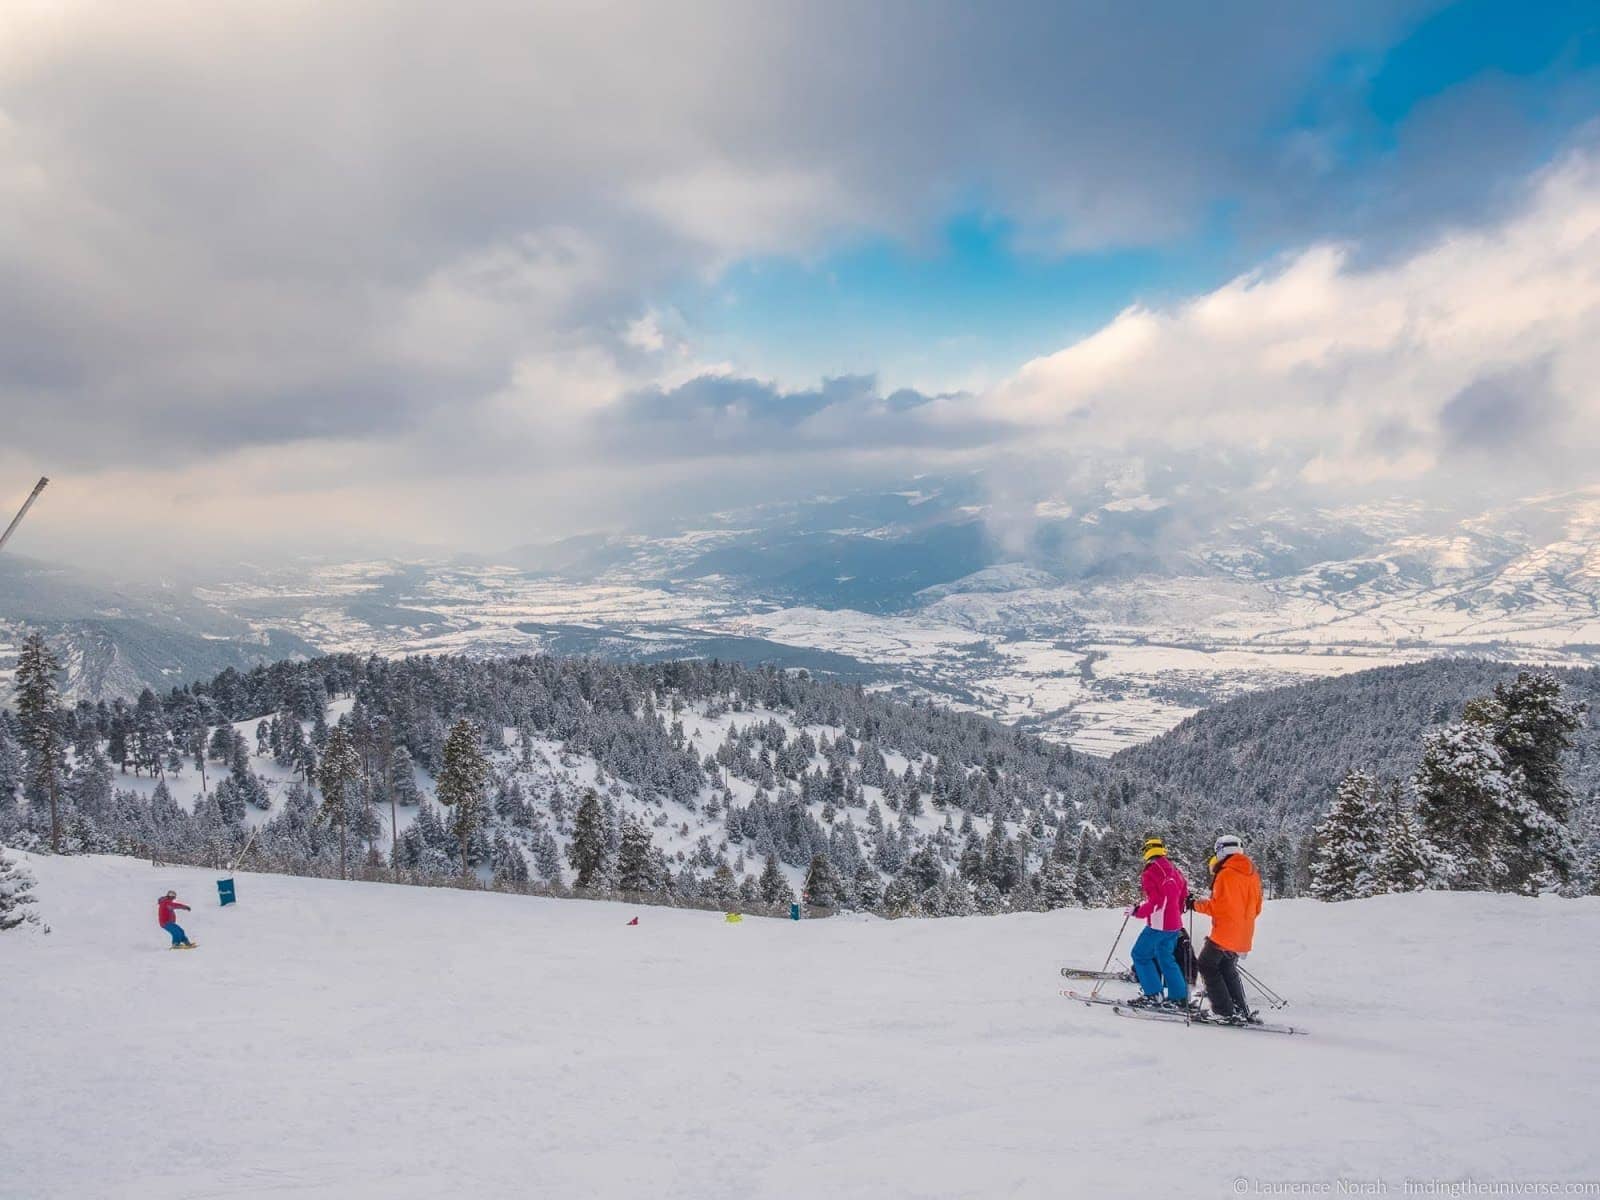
{"x": 1147, "y": 1003}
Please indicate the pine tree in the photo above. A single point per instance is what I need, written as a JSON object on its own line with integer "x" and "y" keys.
{"x": 589, "y": 852}
{"x": 1002, "y": 862}
{"x": 341, "y": 767}
{"x": 90, "y": 787}
{"x": 1586, "y": 875}
{"x": 636, "y": 859}
{"x": 1403, "y": 864}
{"x": 988, "y": 900}
{"x": 195, "y": 748}
{"x": 506, "y": 861}
{"x": 1057, "y": 887}
{"x": 37, "y": 701}
{"x": 957, "y": 900}
{"x": 1348, "y": 841}
{"x": 1087, "y": 886}
{"x": 774, "y": 888}
{"x": 11, "y": 771}
{"x": 547, "y": 859}
{"x": 1534, "y": 727}
{"x": 149, "y": 732}
{"x": 868, "y": 888}
{"x": 463, "y": 776}
{"x": 1463, "y": 791}
{"x": 1492, "y": 799}
{"x": 722, "y": 887}
{"x": 16, "y": 884}
{"x": 970, "y": 862}
{"x": 822, "y": 885}
{"x": 900, "y": 896}
{"x": 403, "y": 788}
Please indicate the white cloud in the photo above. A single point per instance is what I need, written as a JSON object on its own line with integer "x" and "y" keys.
{"x": 736, "y": 212}
{"x": 1321, "y": 357}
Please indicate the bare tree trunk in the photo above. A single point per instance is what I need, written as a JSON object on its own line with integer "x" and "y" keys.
{"x": 55, "y": 813}
{"x": 386, "y": 748}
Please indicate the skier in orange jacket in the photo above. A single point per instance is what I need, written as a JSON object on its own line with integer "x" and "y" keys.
{"x": 1233, "y": 907}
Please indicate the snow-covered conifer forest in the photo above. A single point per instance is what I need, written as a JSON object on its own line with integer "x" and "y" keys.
{"x": 704, "y": 783}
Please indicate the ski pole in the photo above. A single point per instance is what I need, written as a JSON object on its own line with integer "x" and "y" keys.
{"x": 1271, "y": 996}
{"x": 1255, "y": 981}
{"x": 1100, "y": 983}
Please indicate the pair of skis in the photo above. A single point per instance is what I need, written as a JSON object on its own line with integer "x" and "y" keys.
{"x": 1125, "y": 976}
{"x": 1121, "y": 1009}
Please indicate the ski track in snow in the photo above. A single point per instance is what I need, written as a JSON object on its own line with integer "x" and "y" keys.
{"x": 342, "y": 1039}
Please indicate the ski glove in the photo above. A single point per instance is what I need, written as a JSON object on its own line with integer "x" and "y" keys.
{"x": 1188, "y": 903}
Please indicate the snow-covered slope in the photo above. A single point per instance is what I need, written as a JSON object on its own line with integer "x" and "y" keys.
{"x": 348, "y": 1040}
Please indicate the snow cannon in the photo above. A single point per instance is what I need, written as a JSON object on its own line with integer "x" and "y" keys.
{"x": 733, "y": 918}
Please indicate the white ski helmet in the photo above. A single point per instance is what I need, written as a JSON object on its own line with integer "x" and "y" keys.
{"x": 1228, "y": 844}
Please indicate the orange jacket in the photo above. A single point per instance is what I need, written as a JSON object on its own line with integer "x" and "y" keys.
{"x": 1234, "y": 905}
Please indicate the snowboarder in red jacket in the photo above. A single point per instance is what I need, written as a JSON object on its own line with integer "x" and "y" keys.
{"x": 167, "y": 918}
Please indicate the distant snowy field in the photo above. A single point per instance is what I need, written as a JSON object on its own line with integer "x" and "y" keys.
{"x": 340, "y": 1040}
{"x": 1100, "y": 666}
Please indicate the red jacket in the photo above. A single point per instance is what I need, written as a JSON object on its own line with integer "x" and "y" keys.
{"x": 1164, "y": 892}
{"x": 164, "y": 913}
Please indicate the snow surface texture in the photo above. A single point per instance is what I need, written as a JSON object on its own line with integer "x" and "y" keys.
{"x": 341, "y": 1039}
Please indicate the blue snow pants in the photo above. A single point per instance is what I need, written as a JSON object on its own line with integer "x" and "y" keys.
{"x": 1155, "y": 963}
{"x": 176, "y": 930}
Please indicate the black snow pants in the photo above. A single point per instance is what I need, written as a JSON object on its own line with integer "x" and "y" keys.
{"x": 1220, "y": 969}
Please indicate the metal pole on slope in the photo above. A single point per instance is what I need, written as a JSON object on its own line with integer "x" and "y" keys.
{"x": 248, "y": 843}
{"x": 23, "y": 511}
{"x": 1189, "y": 1005}
{"x": 1100, "y": 983}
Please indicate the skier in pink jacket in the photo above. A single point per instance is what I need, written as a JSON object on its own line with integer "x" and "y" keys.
{"x": 1154, "y": 959}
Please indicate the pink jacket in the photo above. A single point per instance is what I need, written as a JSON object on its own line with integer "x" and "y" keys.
{"x": 1164, "y": 893}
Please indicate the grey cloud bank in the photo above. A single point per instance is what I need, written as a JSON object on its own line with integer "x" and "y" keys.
{"x": 377, "y": 266}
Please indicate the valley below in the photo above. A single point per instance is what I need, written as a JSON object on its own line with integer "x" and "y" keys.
{"x": 1116, "y": 619}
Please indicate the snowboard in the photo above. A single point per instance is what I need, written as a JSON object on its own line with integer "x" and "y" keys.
{"x": 185, "y": 946}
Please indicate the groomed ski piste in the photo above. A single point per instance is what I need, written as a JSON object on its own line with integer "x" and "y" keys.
{"x": 348, "y": 1039}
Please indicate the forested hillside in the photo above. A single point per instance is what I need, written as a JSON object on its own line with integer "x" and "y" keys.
{"x": 1284, "y": 750}
{"x": 699, "y": 780}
